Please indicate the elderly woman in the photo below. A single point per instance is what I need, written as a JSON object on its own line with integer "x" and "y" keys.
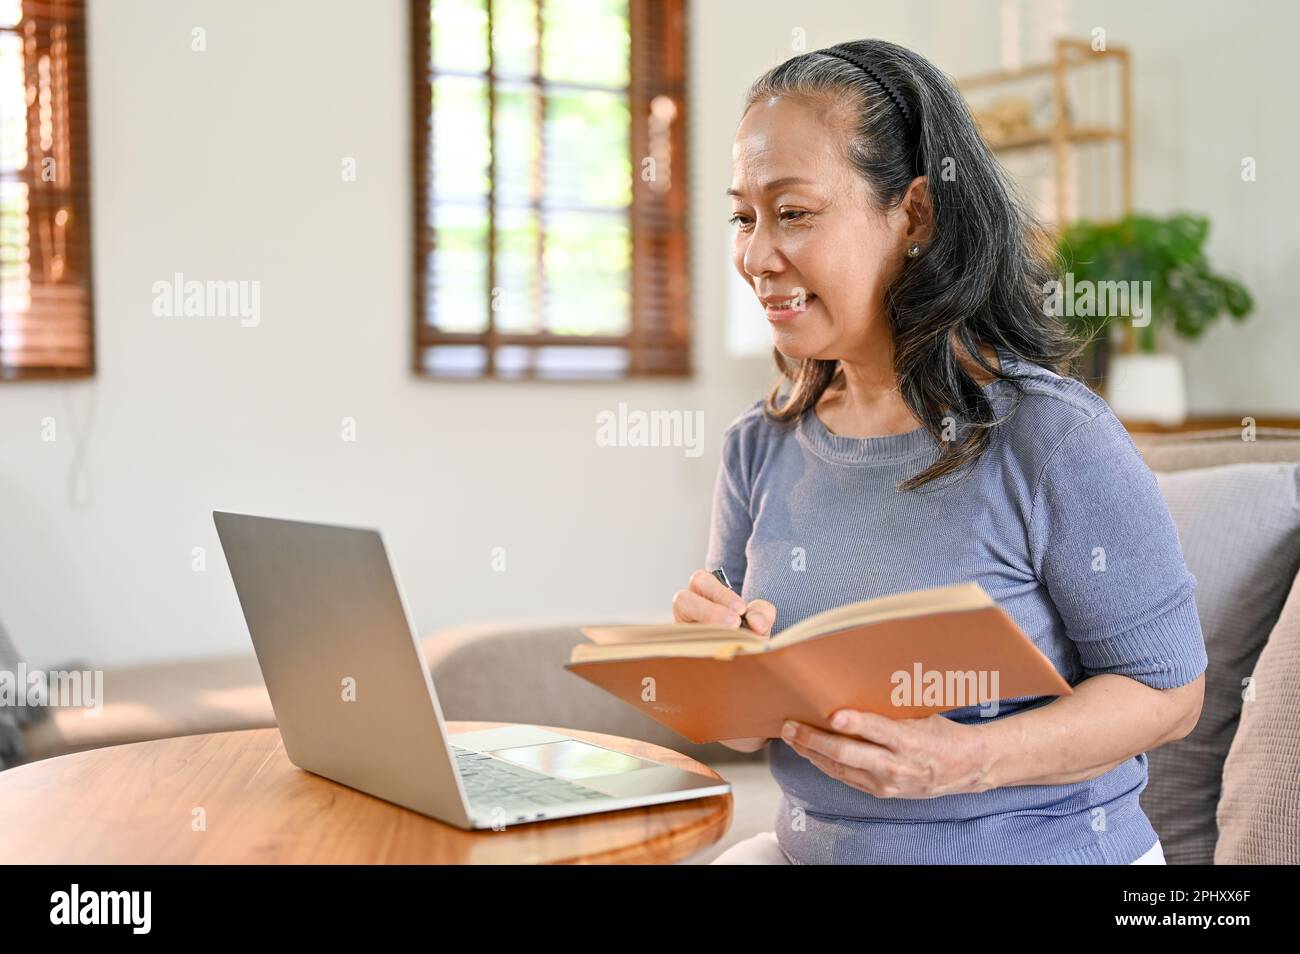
{"x": 925, "y": 431}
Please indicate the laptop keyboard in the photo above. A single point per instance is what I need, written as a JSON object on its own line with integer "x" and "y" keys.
{"x": 492, "y": 784}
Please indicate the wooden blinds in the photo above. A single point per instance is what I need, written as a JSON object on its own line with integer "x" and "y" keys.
{"x": 46, "y": 325}
{"x": 550, "y": 188}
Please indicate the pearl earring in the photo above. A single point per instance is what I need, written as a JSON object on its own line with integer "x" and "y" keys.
{"x": 913, "y": 250}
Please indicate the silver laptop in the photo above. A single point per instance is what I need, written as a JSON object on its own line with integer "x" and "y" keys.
{"x": 355, "y": 701}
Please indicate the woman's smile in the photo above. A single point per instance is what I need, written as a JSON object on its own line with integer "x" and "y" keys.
{"x": 786, "y": 309}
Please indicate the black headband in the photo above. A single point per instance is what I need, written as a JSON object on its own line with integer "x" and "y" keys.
{"x": 899, "y": 103}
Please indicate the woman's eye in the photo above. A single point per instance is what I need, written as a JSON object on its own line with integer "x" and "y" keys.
{"x": 787, "y": 215}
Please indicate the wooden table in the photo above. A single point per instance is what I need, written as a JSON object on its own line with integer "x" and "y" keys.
{"x": 137, "y": 804}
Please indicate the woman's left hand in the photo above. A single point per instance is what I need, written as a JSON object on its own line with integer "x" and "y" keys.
{"x": 904, "y": 758}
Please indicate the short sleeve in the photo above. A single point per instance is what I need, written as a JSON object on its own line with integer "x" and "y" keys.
{"x": 730, "y": 524}
{"x": 1104, "y": 545}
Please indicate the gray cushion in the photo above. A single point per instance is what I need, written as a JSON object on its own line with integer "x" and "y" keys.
{"x": 1239, "y": 526}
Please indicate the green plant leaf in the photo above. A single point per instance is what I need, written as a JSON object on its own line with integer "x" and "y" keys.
{"x": 1167, "y": 252}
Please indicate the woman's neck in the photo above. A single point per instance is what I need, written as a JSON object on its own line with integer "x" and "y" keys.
{"x": 864, "y": 399}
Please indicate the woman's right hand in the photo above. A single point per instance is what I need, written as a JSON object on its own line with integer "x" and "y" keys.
{"x": 706, "y": 600}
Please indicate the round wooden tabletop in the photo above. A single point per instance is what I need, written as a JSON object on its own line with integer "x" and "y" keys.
{"x": 235, "y": 798}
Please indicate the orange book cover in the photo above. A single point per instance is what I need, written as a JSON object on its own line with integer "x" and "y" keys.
{"x": 905, "y": 656}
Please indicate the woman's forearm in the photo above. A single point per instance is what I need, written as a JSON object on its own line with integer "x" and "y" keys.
{"x": 1108, "y": 720}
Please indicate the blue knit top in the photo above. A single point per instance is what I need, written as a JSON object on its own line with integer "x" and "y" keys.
{"x": 1060, "y": 521}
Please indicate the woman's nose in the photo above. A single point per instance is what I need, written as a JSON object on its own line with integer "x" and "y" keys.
{"x": 761, "y": 254}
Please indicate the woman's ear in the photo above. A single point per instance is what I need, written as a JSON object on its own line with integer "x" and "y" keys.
{"x": 920, "y": 212}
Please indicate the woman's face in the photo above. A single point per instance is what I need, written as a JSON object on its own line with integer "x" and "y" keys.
{"x": 805, "y": 224}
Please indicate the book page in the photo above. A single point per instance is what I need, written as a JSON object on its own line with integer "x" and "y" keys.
{"x": 709, "y": 649}
{"x": 658, "y": 633}
{"x": 941, "y": 599}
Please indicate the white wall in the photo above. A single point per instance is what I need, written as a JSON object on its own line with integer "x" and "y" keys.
{"x": 1215, "y": 82}
{"x": 225, "y": 165}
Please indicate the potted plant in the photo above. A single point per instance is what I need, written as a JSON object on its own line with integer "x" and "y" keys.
{"x": 1144, "y": 273}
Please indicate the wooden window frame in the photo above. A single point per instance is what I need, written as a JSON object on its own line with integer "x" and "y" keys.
{"x": 658, "y": 343}
{"x": 56, "y": 28}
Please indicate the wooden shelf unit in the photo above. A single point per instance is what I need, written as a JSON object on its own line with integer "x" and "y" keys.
{"x": 1063, "y": 133}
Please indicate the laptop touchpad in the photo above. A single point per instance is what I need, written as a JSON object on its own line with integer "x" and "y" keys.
{"x": 572, "y": 759}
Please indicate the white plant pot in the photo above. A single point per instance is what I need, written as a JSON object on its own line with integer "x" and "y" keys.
{"x": 1147, "y": 387}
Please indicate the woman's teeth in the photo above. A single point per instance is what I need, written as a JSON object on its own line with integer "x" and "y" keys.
{"x": 792, "y": 304}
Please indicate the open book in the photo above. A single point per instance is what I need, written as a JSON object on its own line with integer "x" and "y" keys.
{"x": 905, "y": 656}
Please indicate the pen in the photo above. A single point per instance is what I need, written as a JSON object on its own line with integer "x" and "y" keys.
{"x": 721, "y": 576}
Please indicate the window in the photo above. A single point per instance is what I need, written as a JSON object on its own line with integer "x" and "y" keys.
{"x": 46, "y": 327}
{"x": 550, "y": 190}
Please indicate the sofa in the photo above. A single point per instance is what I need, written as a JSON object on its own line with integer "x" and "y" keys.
{"x": 1225, "y": 794}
